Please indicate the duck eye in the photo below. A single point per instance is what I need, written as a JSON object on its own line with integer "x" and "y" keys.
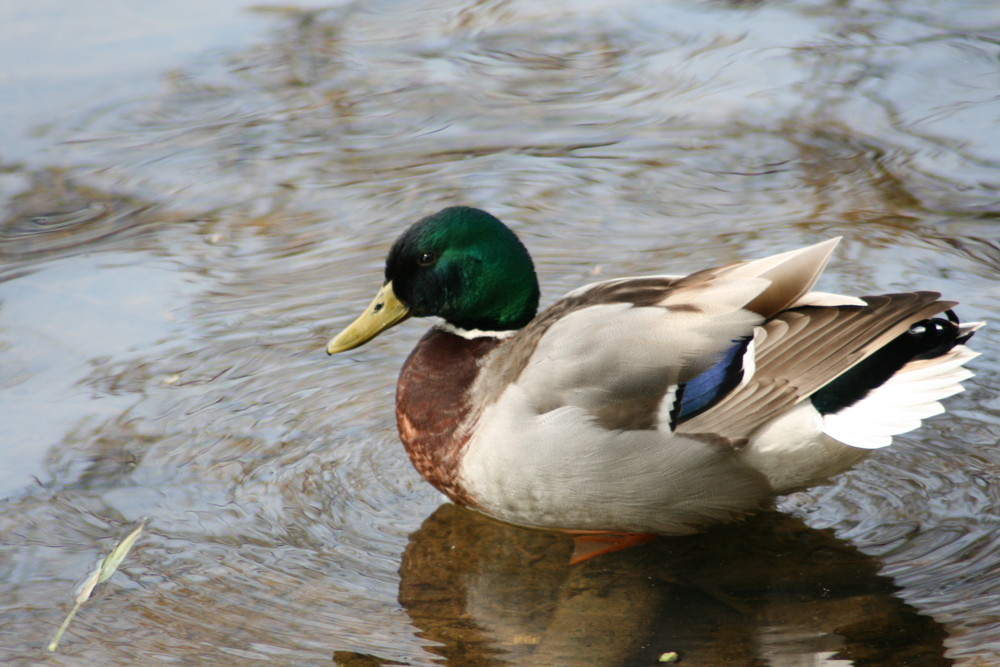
{"x": 426, "y": 259}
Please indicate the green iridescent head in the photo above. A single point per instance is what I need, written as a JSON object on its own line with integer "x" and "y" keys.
{"x": 465, "y": 266}
{"x": 460, "y": 264}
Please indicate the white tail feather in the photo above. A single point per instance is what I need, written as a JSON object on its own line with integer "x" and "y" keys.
{"x": 899, "y": 405}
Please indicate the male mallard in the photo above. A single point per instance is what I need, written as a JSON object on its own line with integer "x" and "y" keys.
{"x": 660, "y": 404}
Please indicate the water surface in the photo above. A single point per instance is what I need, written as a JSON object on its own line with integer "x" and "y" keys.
{"x": 174, "y": 255}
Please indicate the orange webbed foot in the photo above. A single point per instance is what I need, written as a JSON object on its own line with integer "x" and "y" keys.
{"x": 587, "y": 545}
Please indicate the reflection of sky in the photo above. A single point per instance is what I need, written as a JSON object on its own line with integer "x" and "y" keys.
{"x": 54, "y": 324}
{"x": 61, "y": 56}
{"x": 915, "y": 84}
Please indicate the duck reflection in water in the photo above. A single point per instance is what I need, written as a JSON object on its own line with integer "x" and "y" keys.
{"x": 769, "y": 590}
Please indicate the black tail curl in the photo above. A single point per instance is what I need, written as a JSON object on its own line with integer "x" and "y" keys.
{"x": 926, "y": 339}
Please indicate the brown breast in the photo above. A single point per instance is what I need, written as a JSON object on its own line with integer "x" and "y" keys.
{"x": 433, "y": 411}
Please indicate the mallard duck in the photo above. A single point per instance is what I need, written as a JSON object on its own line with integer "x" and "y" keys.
{"x": 652, "y": 405}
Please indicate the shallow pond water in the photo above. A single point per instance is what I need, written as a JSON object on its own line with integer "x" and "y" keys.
{"x": 180, "y": 235}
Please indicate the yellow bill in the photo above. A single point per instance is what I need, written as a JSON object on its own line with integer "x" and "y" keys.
{"x": 383, "y": 312}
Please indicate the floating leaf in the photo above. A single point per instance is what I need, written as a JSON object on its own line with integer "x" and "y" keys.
{"x": 100, "y": 574}
{"x": 87, "y": 587}
{"x": 115, "y": 558}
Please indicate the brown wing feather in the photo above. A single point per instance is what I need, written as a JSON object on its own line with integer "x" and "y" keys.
{"x": 803, "y": 349}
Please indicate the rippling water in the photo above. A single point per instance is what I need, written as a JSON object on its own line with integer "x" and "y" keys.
{"x": 173, "y": 261}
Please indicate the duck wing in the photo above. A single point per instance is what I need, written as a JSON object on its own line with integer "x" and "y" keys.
{"x": 620, "y": 348}
{"x": 802, "y": 349}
